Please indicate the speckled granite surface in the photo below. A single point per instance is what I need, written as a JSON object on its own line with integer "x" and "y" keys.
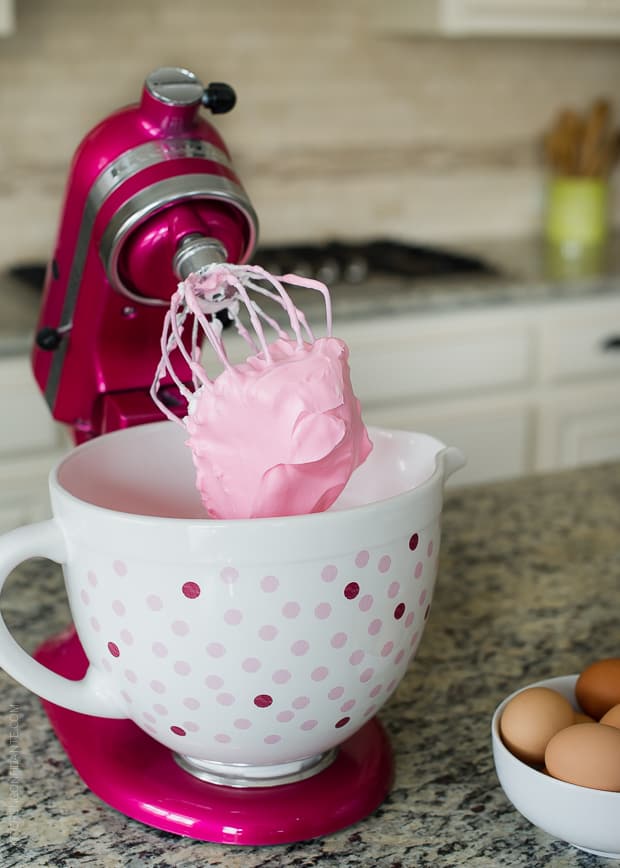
{"x": 528, "y": 588}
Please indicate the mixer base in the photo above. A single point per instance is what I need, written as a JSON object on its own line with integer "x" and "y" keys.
{"x": 140, "y": 778}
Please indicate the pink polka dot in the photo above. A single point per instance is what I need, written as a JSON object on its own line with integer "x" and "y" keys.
{"x": 114, "y": 649}
{"x": 127, "y": 637}
{"x": 268, "y": 632}
{"x": 126, "y": 696}
{"x": 399, "y": 611}
{"x": 342, "y": 722}
{"x": 160, "y": 709}
{"x": 222, "y": 738}
{"x": 409, "y": 619}
{"x": 118, "y": 607}
{"x": 422, "y": 597}
{"x": 190, "y": 726}
{"x": 281, "y": 676}
{"x": 320, "y": 673}
{"x": 251, "y": 664}
{"x": 191, "y": 590}
{"x": 414, "y": 638}
{"x": 92, "y": 578}
{"x": 329, "y": 573}
{"x": 429, "y": 550}
{"x": 300, "y": 647}
{"x": 148, "y": 728}
{"x": 157, "y": 686}
{"x": 263, "y": 700}
{"x": 322, "y": 611}
{"x": 269, "y": 584}
{"x": 106, "y": 664}
{"x": 419, "y": 567}
{"x": 94, "y": 623}
{"x": 229, "y": 575}
{"x": 272, "y": 739}
{"x": 177, "y": 730}
{"x": 399, "y": 657}
{"x": 347, "y": 706}
{"x": 131, "y": 676}
{"x": 362, "y": 558}
{"x": 285, "y": 716}
{"x": 159, "y": 649}
{"x": 336, "y": 692}
{"x": 291, "y": 610}
{"x": 85, "y": 597}
{"x": 242, "y": 723}
{"x": 215, "y": 649}
{"x": 154, "y": 602}
{"x": 214, "y": 682}
{"x": 339, "y": 640}
{"x": 191, "y": 703}
{"x": 393, "y": 590}
{"x": 120, "y": 568}
{"x": 225, "y": 699}
{"x": 367, "y": 675}
{"x": 182, "y": 667}
{"x": 148, "y": 716}
{"x": 376, "y": 691}
{"x": 385, "y": 563}
{"x": 307, "y": 725}
{"x": 387, "y": 649}
{"x": 301, "y": 702}
{"x": 233, "y": 617}
{"x": 181, "y": 628}
{"x": 413, "y": 542}
{"x": 375, "y": 627}
{"x": 366, "y": 603}
{"x": 351, "y": 590}
{"x": 356, "y": 658}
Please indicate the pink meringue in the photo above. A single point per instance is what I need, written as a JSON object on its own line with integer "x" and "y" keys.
{"x": 282, "y": 432}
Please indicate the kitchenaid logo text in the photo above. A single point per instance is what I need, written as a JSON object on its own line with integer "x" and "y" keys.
{"x": 14, "y": 767}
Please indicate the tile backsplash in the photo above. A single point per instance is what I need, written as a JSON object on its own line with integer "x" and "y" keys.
{"x": 340, "y": 130}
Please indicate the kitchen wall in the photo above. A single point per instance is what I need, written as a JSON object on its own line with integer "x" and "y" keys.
{"x": 339, "y": 130}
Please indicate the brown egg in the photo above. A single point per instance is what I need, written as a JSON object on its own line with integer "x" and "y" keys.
{"x": 598, "y": 687}
{"x": 531, "y": 718}
{"x": 612, "y": 717}
{"x": 586, "y": 754}
{"x": 580, "y": 717}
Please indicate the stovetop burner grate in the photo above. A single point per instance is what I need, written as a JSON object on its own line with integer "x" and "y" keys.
{"x": 340, "y": 262}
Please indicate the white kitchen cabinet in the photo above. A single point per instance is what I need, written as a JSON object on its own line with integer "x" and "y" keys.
{"x": 598, "y": 19}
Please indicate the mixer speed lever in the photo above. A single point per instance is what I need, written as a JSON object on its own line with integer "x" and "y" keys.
{"x": 219, "y": 97}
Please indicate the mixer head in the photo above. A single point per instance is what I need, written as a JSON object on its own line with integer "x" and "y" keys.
{"x": 151, "y": 197}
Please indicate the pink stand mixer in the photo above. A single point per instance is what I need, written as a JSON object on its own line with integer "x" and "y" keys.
{"x": 276, "y": 738}
{"x": 152, "y": 197}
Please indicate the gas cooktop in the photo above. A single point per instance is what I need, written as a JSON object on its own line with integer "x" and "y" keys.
{"x": 336, "y": 262}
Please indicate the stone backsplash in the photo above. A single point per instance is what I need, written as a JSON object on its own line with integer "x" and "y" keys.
{"x": 340, "y": 130}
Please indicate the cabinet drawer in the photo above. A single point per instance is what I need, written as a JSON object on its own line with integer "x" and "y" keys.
{"x": 583, "y": 347}
{"x": 433, "y": 365}
{"x": 27, "y": 424}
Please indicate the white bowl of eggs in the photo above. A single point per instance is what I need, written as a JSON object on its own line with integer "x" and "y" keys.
{"x": 556, "y": 747}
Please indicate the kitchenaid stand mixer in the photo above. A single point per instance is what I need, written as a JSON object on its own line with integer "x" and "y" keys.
{"x": 152, "y": 196}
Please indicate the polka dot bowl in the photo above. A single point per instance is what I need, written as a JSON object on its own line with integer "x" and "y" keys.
{"x": 253, "y": 643}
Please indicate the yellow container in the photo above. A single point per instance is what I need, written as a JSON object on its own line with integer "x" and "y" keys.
{"x": 577, "y": 211}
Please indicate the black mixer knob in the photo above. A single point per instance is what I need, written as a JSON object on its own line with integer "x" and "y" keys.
{"x": 219, "y": 97}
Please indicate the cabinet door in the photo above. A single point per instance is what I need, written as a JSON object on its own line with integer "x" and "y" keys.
{"x": 496, "y": 439}
{"x": 580, "y": 428}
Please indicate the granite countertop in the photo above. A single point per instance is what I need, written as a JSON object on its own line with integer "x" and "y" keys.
{"x": 528, "y": 588}
{"x": 528, "y": 273}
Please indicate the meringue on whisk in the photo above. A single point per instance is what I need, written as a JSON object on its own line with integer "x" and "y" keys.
{"x": 281, "y": 433}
